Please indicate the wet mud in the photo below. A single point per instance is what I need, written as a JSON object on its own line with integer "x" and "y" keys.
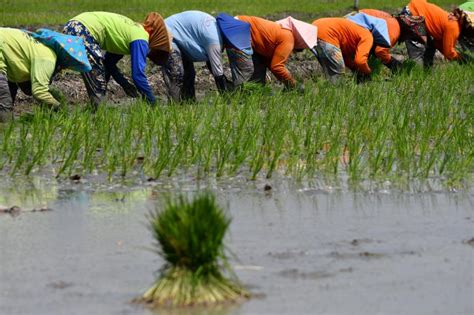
{"x": 299, "y": 250}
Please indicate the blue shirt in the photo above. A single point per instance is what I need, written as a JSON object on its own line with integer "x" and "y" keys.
{"x": 197, "y": 36}
{"x": 138, "y": 53}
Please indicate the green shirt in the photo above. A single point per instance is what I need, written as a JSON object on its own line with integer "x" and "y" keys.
{"x": 113, "y": 32}
{"x": 468, "y": 6}
{"x": 23, "y": 59}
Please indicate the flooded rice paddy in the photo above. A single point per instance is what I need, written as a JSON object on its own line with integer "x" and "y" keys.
{"x": 301, "y": 248}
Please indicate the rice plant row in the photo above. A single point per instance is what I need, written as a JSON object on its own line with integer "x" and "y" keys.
{"x": 417, "y": 125}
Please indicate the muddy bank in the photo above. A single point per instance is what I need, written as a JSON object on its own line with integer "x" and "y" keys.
{"x": 302, "y": 66}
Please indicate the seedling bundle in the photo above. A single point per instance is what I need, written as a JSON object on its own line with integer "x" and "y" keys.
{"x": 190, "y": 238}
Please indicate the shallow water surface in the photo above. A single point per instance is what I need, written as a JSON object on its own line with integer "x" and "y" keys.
{"x": 300, "y": 250}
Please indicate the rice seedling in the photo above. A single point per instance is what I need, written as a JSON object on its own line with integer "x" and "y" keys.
{"x": 189, "y": 236}
{"x": 416, "y": 125}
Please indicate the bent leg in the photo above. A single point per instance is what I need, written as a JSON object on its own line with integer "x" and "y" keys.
{"x": 241, "y": 66}
{"x": 428, "y": 56}
{"x": 259, "y": 74}
{"x": 111, "y": 70}
{"x": 173, "y": 74}
{"x": 6, "y": 100}
{"x": 189, "y": 77}
{"x": 95, "y": 80}
{"x": 415, "y": 51}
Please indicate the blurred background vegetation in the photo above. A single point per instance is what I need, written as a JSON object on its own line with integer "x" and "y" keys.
{"x": 48, "y": 12}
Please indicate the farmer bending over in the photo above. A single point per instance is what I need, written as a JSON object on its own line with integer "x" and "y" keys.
{"x": 465, "y": 14}
{"x": 30, "y": 64}
{"x": 273, "y": 43}
{"x": 341, "y": 43}
{"x": 400, "y": 28}
{"x": 197, "y": 37}
{"x": 443, "y": 30}
{"x": 118, "y": 36}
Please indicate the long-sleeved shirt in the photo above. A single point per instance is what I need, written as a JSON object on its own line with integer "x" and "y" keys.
{"x": 24, "y": 59}
{"x": 274, "y": 43}
{"x": 354, "y": 41}
{"x": 120, "y": 35}
{"x": 444, "y": 31}
{"x": 393, "y": 31}
{"x": 139, "y": 51}
{"x": 197, "y": 36}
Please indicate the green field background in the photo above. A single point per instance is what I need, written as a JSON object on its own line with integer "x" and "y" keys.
{"x": 45, "y": 12}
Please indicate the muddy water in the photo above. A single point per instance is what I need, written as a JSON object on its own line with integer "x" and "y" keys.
{"x": 300, "y": 250}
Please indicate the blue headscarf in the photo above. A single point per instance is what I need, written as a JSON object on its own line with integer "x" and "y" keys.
{"x": 236, "y": 33}
{"x": 70, "y": 50}
{"x": 378, "y": 27}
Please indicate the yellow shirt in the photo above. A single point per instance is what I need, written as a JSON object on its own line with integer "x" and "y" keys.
{"x": 113, "y": 32}
{"x": 23, "y": 59}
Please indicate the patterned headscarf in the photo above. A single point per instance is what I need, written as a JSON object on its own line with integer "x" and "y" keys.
{"x": 70, "y": 50}
{"x": 465, "y": 16}
{"x": 413, "y": 25}
{"x": 160, "y": 40}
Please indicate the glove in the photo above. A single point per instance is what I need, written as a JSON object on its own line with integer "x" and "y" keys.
{"x": 363, "y": 78}
{"x": 290, "y": 86}
{"x": 465, "y": 58}
{"x": 221, "y": 83}
{"x": 129, "y": 89}
{"x": 394, "y": 65}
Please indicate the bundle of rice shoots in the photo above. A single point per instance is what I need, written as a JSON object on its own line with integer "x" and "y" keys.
{"x": 190, "y": 237}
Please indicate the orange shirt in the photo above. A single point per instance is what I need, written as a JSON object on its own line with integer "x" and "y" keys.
{"x": 354, "y": 41}
{"x": 444, "y": 31}
{"x": 393, "y": 31}
{"x": 272, "y": 42}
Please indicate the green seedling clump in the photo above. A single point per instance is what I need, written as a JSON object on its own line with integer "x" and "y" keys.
{"x": 190, "y": 238}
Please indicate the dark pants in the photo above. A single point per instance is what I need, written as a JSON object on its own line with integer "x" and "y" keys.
{"x": 111, "y": 70}
{"x": 8, "y": 92}
{"x": 420, "y": 53}
{"x": 259, "y": 74}
{"x": 95, "y": 79}
{"x": 179, "y": 76}
{"x": 6, "y": 100}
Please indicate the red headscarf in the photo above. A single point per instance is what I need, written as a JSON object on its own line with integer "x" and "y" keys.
{"x": 160, "y": 40}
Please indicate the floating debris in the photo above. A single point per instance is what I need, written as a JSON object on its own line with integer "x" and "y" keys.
{"x": 75, "y": 177}
{"x": 469, "y": 242}
{"x": 15, "y": 210}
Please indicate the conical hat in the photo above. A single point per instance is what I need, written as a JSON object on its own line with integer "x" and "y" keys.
{"x": 305, "y": 34}
{"x": 236, "y": 33}
{"x": 70, "y": 50}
